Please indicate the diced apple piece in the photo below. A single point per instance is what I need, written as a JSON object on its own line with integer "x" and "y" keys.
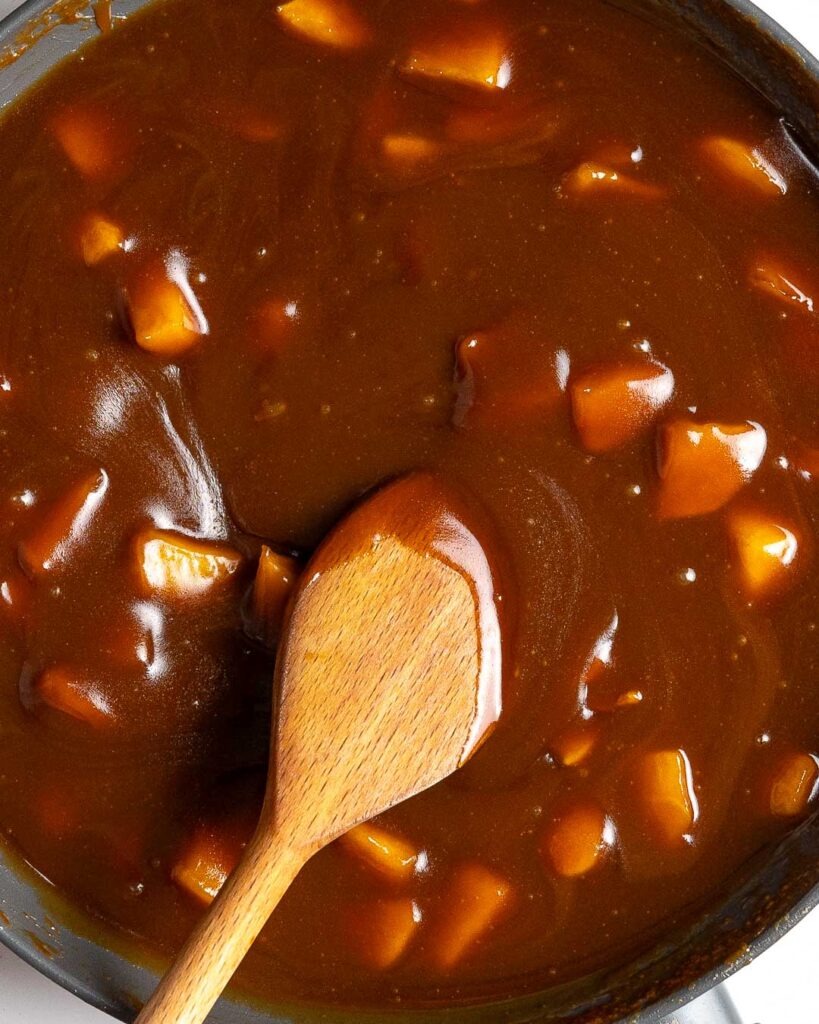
{"x": 475, "y": 62}
{"x": 205, "y": 862}
{"x": 89, "y": 141}
{"x": 476, "y": 900}
{"x": 613, "y": 405}
{"x": 275, "y": 578}
{"x": 214, "y": 846}
{"x": 64, "y": 690}
{"x": 795, "y": 785}
{"x": 162, "y": 317}
{"x": 742, "y": 162}
{"x": 329, "y": 22}
{"x": 703, "y": 465}
{"x": 64, "y": 527}
{"x": 593, "y": 178}
{"x": 766, "y": 552}
{"x": 383, "y": 929}
{"x": 770, "y": 277}
{"x": 383, "y": 852}
{"x": 575, "y": 745}
{"x": 496, "y": 380}
{"x": 178, "y": 566}
{"x": 667, "y": 789}
{"x": 577, "y": 840}
{"x": 629, "y": 699}
{"x": 406, "y": 149}
{"x": 99, "y": 238}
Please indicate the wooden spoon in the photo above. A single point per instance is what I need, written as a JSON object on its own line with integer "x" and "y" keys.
{"x": 388, "y": 678}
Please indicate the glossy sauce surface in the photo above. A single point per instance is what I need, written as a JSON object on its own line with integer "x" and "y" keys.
{"x": 258, "y": 261}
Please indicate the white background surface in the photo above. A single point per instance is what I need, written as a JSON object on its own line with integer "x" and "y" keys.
{"x": 781, "y": 987}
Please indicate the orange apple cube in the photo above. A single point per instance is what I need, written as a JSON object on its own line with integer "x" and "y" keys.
{"x": 406, "y": 149}
{"x": 163, "y": 319}
{"x": 99, "y": 238}
{"x": 496, "y": 381}
{"x": 766, "y": 550}
{"x": 795, "y": 785}
{"x": 666, "y": 786}
{"x": 575, "y": 842}
{"x": 62, "y": 689}
{"x": 703, "y": 465}
{"x": 275, "y": 579}
{"x": 629, "y": 699}
{"x": 476, "y": 901}
{"x": 388, "y": 855}
{"x": 575, "y": 745}
{"x": 382, "y": 930}
{"x": 205, "y": 862}
{"x": 64, "y": 528}
{"x": 328, "y": 22}
{"x": 591, "y": 178}
{"x": 174, "y": 565}
{"x": 89, "y": 141}
{"x": 474, "y": 62}
{"x": 744, "y": 163}
{"x": 613, "y": 405}
{"x": 769, "y": 276}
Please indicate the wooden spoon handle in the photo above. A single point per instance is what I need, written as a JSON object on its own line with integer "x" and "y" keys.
{"x": 220, "y": 941}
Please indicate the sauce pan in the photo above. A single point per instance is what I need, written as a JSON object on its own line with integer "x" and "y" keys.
{"x": 676, "y": 983}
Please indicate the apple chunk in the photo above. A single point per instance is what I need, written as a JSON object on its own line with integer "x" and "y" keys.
{"x": 382, "y": 930}
{"x": 577, "y": 840}
{"x": 742, "y": 162}
{"x": 92, "y": 144}
{"x": 409, "y": 150}
{"x": 666, "y": 786}
{"x": 328, "y": 22}
{"x": 383, "y": 852}
{"x": 613, "y": 405}
{"x": 703, "y": 465}
{"x": 206, "y": 860}
{"x": 576, "y": 744}
{"x": 477, "y": 61}
{"x": 65, "y": 690}
{"x": 99, "y": 238}
{"x": 174, "y": 565}
{"x": 476, "y": 900}
{"x": 767, "y": 552}
{"x": 55, "y": 540}
{"x": 497, "y": 381}
{"x": 795, "y": 785}
{"x": 592, "y": 178}
{"x": 164, "y": 315}
{"x": 275, "y": 579}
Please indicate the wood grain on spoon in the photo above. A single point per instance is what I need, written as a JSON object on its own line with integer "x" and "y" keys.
{"x": 388, "y": 678}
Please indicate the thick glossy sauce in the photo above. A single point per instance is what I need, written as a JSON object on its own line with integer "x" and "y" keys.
{"x": 254, "y": 264}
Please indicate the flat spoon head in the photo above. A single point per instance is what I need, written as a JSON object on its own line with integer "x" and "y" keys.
{"x": 390, "y": 672}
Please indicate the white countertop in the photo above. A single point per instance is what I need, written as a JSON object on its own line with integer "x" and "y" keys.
{"x": 780, "y": 987}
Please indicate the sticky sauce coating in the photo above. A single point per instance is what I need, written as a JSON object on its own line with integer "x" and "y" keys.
{"x": 260, "y": 259}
